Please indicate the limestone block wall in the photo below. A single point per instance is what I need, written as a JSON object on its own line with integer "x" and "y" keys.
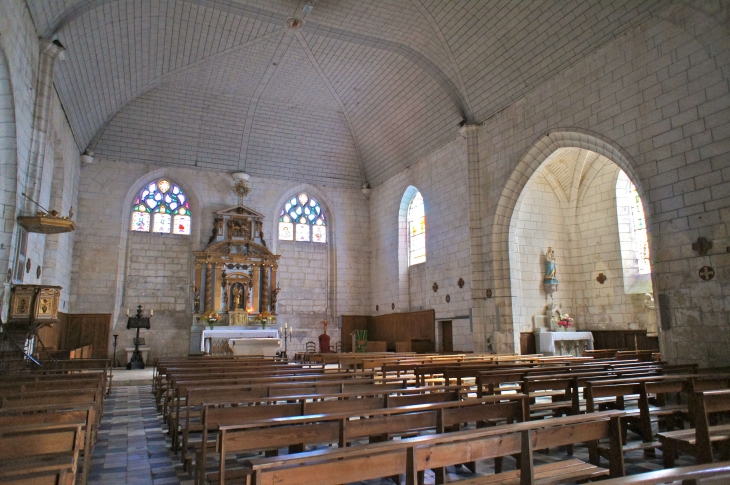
{"x": 538, "y": 222}
{"x": 104, "y": 266}
{"x": 656, "y": 102}
{"x": 441, "y": 177}
{"x": 19, "y": 59}
{"x": 597, "y": 249}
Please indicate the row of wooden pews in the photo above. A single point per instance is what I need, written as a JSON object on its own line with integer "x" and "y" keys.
{"x": 335, "y": 425}
{"x": 49, "y": 421}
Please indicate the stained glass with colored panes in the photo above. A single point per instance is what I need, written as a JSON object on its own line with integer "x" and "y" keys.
{"x": 416, "y": 231}
{"x": 161, "y": 207}
{"x": 302, "y": 219}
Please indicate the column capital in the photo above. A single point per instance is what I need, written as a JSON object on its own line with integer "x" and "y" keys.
{"x": 471, "y": 129}
{"x": 52, "y": 48}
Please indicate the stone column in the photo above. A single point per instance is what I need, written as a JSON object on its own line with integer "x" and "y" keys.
{"x": 50, "y": 51}
{"x": 265, "y": 288}
{"x": 209, "y": 289}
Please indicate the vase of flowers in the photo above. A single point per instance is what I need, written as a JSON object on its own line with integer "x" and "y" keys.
{"x": 210, "y": 318}
{"x": 565, "y": 322}
{"x": 265, "y": 318}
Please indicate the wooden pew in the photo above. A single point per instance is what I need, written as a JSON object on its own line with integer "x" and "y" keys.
{"x": 59, "y": 414}
{"x": 699, "y": 441}
{"x": 713, "y": 473}
{"x": 412, "y": 456}
{"x": 229, "y": 414}
{"x": 340, "y": 428}
{"x": 31, "y": 454}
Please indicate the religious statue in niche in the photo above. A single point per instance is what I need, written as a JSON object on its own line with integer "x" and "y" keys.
{"x": 274, "y": 296}
{"x": 196, "y": 300}
{"x": 550, "y": 282}
{"x": 237, "y": 297}
{"x": 239, "y": 228}
{"x": 260, "y": 231}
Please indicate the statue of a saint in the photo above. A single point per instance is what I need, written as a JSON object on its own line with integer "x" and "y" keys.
{"x": 196, "y": 301}
{"x": 237, "y": 298}
{"x": 550, "y": 282}
{"x": 274, "y": 295}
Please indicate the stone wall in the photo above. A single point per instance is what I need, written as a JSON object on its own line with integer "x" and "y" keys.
{"x": 655, "y": 101}
{"x": 318, "y": 281}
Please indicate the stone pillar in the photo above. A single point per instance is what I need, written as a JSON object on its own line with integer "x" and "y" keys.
{"x": 265, "y": 288}
{"x": 209, "y": 286}
{"x": 482, "y": 331}
{"x": 50, "y": 52}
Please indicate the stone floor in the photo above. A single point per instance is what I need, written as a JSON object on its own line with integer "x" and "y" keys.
{"x": 134, "y": 449}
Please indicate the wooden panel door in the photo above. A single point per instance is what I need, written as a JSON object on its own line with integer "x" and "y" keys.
{"x": 527, "y": 343}
{"x": 88, "y": 329}
{"x": 447, "y": 336}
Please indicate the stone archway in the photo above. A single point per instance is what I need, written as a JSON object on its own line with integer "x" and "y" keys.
{"x": 529, "y": 165}
{"x": 8, "y": 171}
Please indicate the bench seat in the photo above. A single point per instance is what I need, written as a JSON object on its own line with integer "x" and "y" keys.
{"x": 549, "y": 473}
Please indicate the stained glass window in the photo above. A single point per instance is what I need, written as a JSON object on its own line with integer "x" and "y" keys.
{"x": 302, "y": 219}
{"x": 162, "y": 207}
{"x": 416, "y": 231}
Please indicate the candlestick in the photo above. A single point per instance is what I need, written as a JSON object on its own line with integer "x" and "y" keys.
{"x": 290, "y": 329}
{"x": 280, "y": 330}
{"x": 286, "y": 325}
{"x": 127, "y": 311}
{"x": 152, "y": 312}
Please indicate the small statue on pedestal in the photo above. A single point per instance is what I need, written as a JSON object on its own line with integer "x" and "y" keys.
{"x": 550, "y": 282}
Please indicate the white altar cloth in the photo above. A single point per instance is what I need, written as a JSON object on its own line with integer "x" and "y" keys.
{"x": 546, "y": 340}
{"x": 228, "y": 333}
{"x": 268, "y": 347}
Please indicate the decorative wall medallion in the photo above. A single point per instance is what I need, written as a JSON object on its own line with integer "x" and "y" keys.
{"x": 377, "y": 308}
{"x": 707, "y": 273}
{"x": 601, "y": 278}
{"x": 435, "y": 287}
{"x": 38, "y": 272}
{"x": 27, "y": 266}
{"x": 702, "y": 245}
{"x": 460, "y": 283}
{"x": 448, "y": 298}
{"x": 392, "y": 306}
{"x": 489, "y": 293}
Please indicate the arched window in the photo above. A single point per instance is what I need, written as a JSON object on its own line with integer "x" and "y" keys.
{"x": 633, "y": 236}
{"x": 302, "y": 219}
{"x": 161, "y": 207}
{"x": 416, "y": 231}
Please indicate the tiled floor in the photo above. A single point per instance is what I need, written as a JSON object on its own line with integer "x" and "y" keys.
{"x": 133, "y": 448}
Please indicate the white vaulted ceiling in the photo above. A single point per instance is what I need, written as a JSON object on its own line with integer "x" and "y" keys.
{"x": 358, "y": 93}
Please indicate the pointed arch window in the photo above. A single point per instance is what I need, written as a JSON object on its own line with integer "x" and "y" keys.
{"x": 161, "y": 207}
{"x": 302, "y": 219}
{"x": 416, "y": 230}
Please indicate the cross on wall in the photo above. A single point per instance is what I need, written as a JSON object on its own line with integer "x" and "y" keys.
{"x": 707, "y": 273}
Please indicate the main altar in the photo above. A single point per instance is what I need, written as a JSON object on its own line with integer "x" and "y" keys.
{"x": 235, "y": 276}
{"x": 563, "y": 343}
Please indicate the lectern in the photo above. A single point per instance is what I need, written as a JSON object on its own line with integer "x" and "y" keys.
{"x": 138, "y": 321}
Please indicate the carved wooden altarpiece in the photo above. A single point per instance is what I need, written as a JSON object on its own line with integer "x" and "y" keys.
{"x": 236, "y": 273}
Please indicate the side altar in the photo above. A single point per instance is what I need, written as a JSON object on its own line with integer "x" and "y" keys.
{"x": 235, "y": 276}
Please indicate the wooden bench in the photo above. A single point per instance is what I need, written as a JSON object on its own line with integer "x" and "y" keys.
{"x": 412, "y": 456}
{"x": 240, "y": 412}
{"x": 31, "y": 454}
{"x": 713, "y": 473}
{"x": 699, "y": 441}
{"x": 344, "y": 428}
{"x": 59, "y": 414}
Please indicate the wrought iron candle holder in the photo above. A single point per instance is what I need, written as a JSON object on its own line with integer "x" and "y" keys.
{"x": 138, "y": 321}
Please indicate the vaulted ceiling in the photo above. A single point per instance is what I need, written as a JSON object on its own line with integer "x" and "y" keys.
{"x": 354, "y": 93}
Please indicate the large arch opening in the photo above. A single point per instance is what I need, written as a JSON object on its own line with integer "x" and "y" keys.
{"x": 577, "y": 203}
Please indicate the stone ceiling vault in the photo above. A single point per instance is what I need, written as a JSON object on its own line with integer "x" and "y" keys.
{"x": 366, "y": 87}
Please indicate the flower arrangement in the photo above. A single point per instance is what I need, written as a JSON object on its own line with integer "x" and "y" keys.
{"x": 210, "y": 317}
{"x": 264, "y": 318}
{"x": 565, "y": 321}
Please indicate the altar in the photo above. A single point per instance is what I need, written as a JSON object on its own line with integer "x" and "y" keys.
{"x": 235, "y": 332}
{"x": 268, "y": 347}
{"x": 563, "y": 343}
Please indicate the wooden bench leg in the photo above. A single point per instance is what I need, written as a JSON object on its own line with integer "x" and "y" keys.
{"x": 669, "y": 454}
{"x": 440, "y": 475}
{"x": 498, "y": 464}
